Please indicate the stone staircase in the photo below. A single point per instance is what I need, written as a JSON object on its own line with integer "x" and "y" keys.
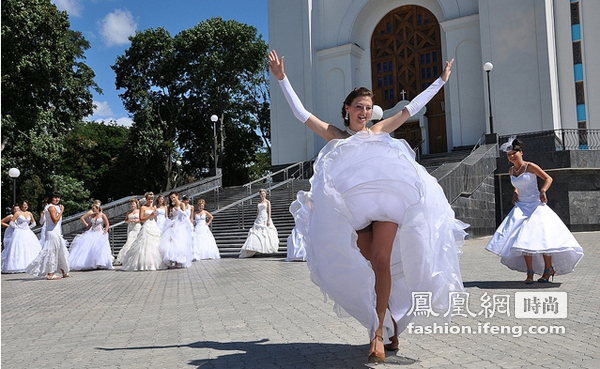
{"x": 230, "y": 227}
{"x": 433, "y": 161}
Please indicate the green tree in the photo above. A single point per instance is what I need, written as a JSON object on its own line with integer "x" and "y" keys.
{"x": 173, "y": 85}
{"x": 46, "y": 90}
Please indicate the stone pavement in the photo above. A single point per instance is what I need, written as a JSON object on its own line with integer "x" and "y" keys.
{"x": 266, "y": 313}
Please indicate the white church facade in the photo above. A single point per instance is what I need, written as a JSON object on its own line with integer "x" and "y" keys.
{"x": 541, "y": 51}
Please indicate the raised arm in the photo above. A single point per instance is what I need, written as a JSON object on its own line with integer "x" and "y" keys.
{"x": 392, "y": 123}
{"x": 323, "y": 129}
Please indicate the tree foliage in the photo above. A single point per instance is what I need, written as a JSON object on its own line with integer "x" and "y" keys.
{"x": 46, "y": 91}
{"x": 173, "y": 85}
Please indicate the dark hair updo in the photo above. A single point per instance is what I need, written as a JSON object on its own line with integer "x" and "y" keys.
{"x": 357, "y": 92}
{"x": 517, "y": 145}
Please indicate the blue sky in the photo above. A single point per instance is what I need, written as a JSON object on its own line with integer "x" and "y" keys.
{"x": 107, "y": 24}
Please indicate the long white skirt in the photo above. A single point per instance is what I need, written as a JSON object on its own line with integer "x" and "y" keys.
{"x": 372, "y": 177}
{"x": 131, "y": 236}
{"x": 53, "y": 257}
{"x": 20, "y": 250}
{"x": 534, "y": 228}
{"x": 262, "y": 239}
{"x": 90, "y": 250}
{"x": 144, "y": 253}
{"x": 205, "y": 246}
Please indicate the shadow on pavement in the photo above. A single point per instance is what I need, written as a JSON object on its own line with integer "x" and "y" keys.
{"x": 261, "y": 355}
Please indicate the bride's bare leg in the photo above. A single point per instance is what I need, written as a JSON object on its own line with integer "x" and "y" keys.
{"x": 375, "y": 243}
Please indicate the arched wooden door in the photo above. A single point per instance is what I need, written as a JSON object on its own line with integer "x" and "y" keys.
{"x": 406, "y": 57}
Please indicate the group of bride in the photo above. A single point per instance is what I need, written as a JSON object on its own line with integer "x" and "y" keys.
{"x": 159, "y": 239}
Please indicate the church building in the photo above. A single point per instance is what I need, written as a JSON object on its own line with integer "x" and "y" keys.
{"x": 539, "y": 77}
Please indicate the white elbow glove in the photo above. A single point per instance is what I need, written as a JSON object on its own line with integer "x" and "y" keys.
{"x": 33, "y": 224}
{"x": 424, "y": 97}
{"x": 293, "y": 100}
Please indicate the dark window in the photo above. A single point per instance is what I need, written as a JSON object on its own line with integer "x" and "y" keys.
{"x": 579, "y": 93}
{"x": 577, "y": 52}
{"x": 575, "y": 13}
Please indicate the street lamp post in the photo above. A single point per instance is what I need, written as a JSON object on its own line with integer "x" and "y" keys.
{"x": 178, "y": 163}
{"x": 487, "y": 67}
{"x": 214, "y": 119}
{"x": 14, "y": 173}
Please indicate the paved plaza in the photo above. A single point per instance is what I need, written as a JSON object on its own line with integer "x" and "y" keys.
{"x": 266, "y": 313}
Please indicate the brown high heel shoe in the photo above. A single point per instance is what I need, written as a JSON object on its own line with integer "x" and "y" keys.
{"x": 374, "y": 355}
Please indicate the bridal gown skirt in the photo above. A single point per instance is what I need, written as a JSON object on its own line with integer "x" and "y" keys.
{"x": 176, "y": 244}
{"x": 534, "y": 228}
{"x": 132, "y": 233}
{"x": 144, "y": 253}
{"x": 53, "y": 257}
{"x": 205, "y": 246}
{"x": 20, "y": 249}
{"x": 373, "y": 177}
{"x": 90, "y": 250}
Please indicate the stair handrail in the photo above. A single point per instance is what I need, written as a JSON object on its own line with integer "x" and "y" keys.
{"x": 417, "y": 150}
{"x": 268, "y": 178}
{"x": 250, "y": 197}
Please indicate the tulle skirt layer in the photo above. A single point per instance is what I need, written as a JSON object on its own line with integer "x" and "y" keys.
{"x": 534, "y": 228}
{"x": 368, "y": 178}
{"x": 131, "y": 236}
{"x": 144, "y": 253}
{"x": 90, "y": 250}
{"x": 205, "y": 246}
{"x": 20, "y": 251}
{"x": 53, "y": 257}
{"x": 262, "y": 239}
{"x": 176, "y": 243}
{"x": 296, "y": 250}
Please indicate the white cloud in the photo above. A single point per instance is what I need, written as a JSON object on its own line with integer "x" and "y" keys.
{"x": 124, "y": 121}
{"x": 116, "y": 27}
{"x": 72, "y": 7}
{"x": 102, "y": 109}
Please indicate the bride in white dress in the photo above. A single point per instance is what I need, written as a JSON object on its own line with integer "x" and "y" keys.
{"x": 205, "y": 246}
{"x": 23, "y": 245}
{"x": 532, "y": 238}
{"x": 133, "y": 228}
{"x": 262, "y": 237}
{"x": 91, "y": 249}
{"x": 161, "y": 212}
{"x": 176, "y": 242}
{"x": 377, "y": 227}
{"x": 144, "y": 253}
{"x": 54, "y": 256}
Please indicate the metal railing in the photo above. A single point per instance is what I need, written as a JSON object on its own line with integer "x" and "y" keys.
{"x": 247, "y": 201}
{"x": 558, "y": 139}
{"x": 268, "y": 179}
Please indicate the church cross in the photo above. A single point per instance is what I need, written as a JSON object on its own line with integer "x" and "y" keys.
{"x": 403, "y": 93}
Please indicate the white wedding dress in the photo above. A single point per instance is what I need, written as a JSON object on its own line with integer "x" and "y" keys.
{"x": 133, "y": 229}
{"x": 91, "y": 249}
{"x": 54, "y": 255}
{"x": 22, "y": 246}
{"x": 262, "y": 238}
{"x": 533, "y": 227}
{"x": 205, "y": 246}
{"x": 144, "y": 253}
{"x": 373, "y": 177}
{"x": 176, "y": 241}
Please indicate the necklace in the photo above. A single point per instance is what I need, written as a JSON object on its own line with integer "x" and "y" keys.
{"x": 353, "y": 132}
{"x": 520, "y": 167}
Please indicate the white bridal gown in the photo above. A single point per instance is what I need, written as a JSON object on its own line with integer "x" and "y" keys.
{"x": 133, "y": 229}
{"x": 373, "y": 177}
{"x": 176, "y": 241}
{"x": 144, "y": 253}
{"x": 261, "y": 239}
{"x": 54, "y": 255}
{"x": 533, "y": 227}
{"x": 22, "y": 246}
{"x": 205, "y": 246}
{"x": 91, "y": 249}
